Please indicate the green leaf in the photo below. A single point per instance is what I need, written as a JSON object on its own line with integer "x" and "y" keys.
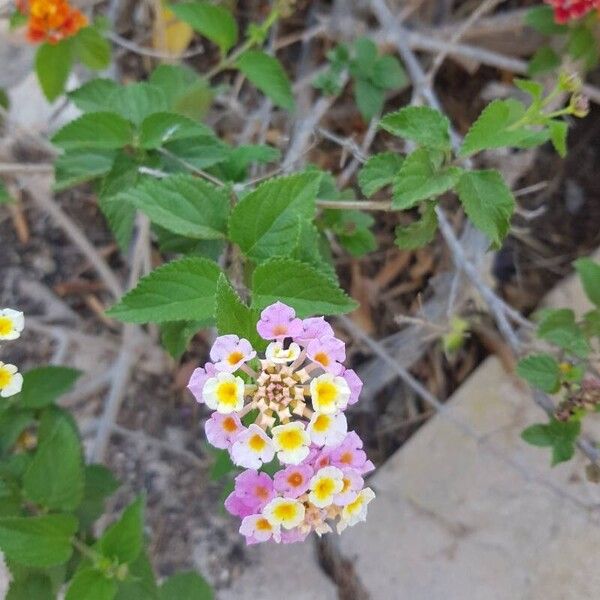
{"x": 240, "y": 158}
{"x": 183, "y": 204}
{"x": 54, "y": 478}
{"x": 265, "y": 222}
{"x": 488, "y": 203}
{"x": 541, "y": 371}
{"x": 93, "y": 95}
{"x": 378, "y": 172}
{"x": 174, "y": 81}
{"x": 495, "y": 128}
{"x": 122, "y": 541}
{"x": 583, "y": 46}
{"x": 41, "y": 541}
{"x": 365, "y": 56}
{"x": 421, "y": 124}
{"x": 300, "y": 285}
{"x": 559, "y": 327}
{"x": 12, "y": 423}
{"x": 32, "y": 586}
{"x": 92, "y": 48}
{"x": 591, "y": 323}
{"x": 100, "y": 483}
{"x": 136, "y": 101}
{"x": 419, "y": 179}
{"x": 5, "y": 197}
{"x": 420, "y": 232}
{"x": 213, "y": 22}
{"x": 313, "y": 248}
{"x": 267, "y": 74}
{"x": 233, "y": 316}
{"x": 388, "y": 73}
{"x": 185, "y": 586}
{"x": 560, "y": 436}
{"x": 558, "y": 135}
{"x": 589, "y": 272}
{"x": 182, "y": 290}
{"x": 201, "y": 152}
{"x": 90, "y": 584}
{"x": 53, "y": 64}
{"x": 369, "y": 98}
{"x": 80, "y": 165}
{"x": 541, "y": 18}
{"x": 175, "y": 336}
{"x": 44, "y": 385}
{"x": 160, "y": 128}
{"x": 352, "y": 229}
{"x": 545, "y": 59}
{"x": 141, "y": 584}
{"x": 104, "y": 130}
{"x": 223, "y": 465}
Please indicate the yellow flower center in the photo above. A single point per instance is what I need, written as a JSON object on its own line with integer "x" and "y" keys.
{"x": 326, "y": 393}
{"x": 263, "y": 525}
{"x": 229, "y": 425}
{"x": 286, "y": 511}
{"x": 6, "y": 325}
{"x": 322, "y": 423}
{"x": 355, "y": 505}
{"x": 324, "y": 488}
{"x": 227, "y": 393}
{"x": 256, "y": 443}
{"x": 290, "y": 439}
{"x": 235, "y": 357}
{"x": 322, "y": 358}
{"x": 5, "y": 377}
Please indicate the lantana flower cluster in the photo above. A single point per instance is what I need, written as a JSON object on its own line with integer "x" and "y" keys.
{"x": 51, "y": 20}
{"x": 287, "y": 408}
{"x": 12, "y": 323}
{"x": 568, "y": 10}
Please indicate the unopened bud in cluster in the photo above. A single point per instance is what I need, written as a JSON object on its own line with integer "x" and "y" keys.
{"x": 579, "y": 105}
{"x": 569, "y": 82}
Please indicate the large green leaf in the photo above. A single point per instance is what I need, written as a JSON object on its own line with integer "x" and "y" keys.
{"x": 99, "y": 484}
{"x": 559, "y": 327}
{"x": 81, "y": 165}
{"x": 104, "y": 130}
{"x": 267, "y": 74}
{"x": 488, "y": 203}
{"x": 53, "y": 64}
{"x": 541, "y": 371}
{"x": 136, "y": 101}
{"x": 421, "y": 124}
{"x": 163, "y": 127}
{"x": 265, "y": 223}
{"x": 378, "y": 172}
{"x": 93, "y": 95}
{"x": 213, "y": 22}
{"x": 55, "y": 477}
{"x": 31, "y": 585}
{"x": 122, "y": 541}
{"x": 44, "y": 385}
{"x": 41, "y": 541}
{"x": 90, "y": 584}
{"x": 92, "y": 48}
{"x": 560, "y": 436}
{"x": 302, "y": 286}
{"x": 183, "y": 204}
{"x": 180, "y": 290}
{"x": 187, "y": 585}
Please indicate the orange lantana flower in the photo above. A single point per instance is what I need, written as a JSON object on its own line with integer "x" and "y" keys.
{"x": 51, "y": 20}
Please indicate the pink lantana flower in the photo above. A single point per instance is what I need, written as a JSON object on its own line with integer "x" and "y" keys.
{"x": 349, "y": 454}
{"x": 278, "y": 321}
{"x": 257, "y": 529}
{"x": 314, "y": 328}
{"x": 252, "y": 448}
{"x": 293, "y": 481}
{"x": 222, "y": 430}
{"x": 354, "y": 383}
{"x": 229, "y": 353}
{"x": 328, "y": 352}
{"x": 255, "y": 489}
{"x": 199, "y": 378}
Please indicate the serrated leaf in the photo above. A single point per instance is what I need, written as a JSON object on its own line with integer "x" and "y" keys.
{"x": 42, "y": 541}
{"x": 104, "y": 130}
{"x": 53, "y": 482}
{"x": 421, "y": 124}
{"x": 31, "y": 586}
{"x": 200, "y": 152}
{"x": 99, "y": 484}
{"x": 559, "y": 328}
{"x": 369, "y": 98}
{"x": 53, "y": 64}
{"x": 160, "y": 128}
{"x": 136, "y": 101}
{"x": 183, "y": 204}
{"x": 174, "y": 81}
{"x": 488, "y": 202}
{"x": 213, "y": 22}
{"x": 90, "y": 584}
{"x": 44, "y": 385}
{"x": 122, "y": 541}
{"x": 545, "y": 59}
{"x": 589, "y": 273}
{"x": 176, "y": 335}
{"x": 92, "y": 96}
{"x": 187, "y": 585}
{"x": 240, "y": 158}
{"x": 300, "y": 285}
{"x": 540, "y": 371}
{"x": 92, "y": 48}
{"x": 558, "y": 135}
{"x": 378, "y": 172}
{"x": 388, "y": 73}
{"x": 495, "y": 128}
{"x": 182, "y": 290}
{"x": 419, "y": 179}
{"x": 559, "y": 435}
{"x": 80, "y": 165}
{"x": 267, "y": 74}
{"x": 265, "y": 222}
{"x": 420, "y": 232}
{"x": 233, "y": 316}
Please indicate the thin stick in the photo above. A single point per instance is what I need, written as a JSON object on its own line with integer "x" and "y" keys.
{"x": 26, "y": 168}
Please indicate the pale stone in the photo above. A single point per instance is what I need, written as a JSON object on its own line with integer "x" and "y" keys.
{"x": 457, "y": 518}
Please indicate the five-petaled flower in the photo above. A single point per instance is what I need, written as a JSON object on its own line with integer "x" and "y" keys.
{"x": 12, "y": 323}
{"x": 286, "y": 409}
